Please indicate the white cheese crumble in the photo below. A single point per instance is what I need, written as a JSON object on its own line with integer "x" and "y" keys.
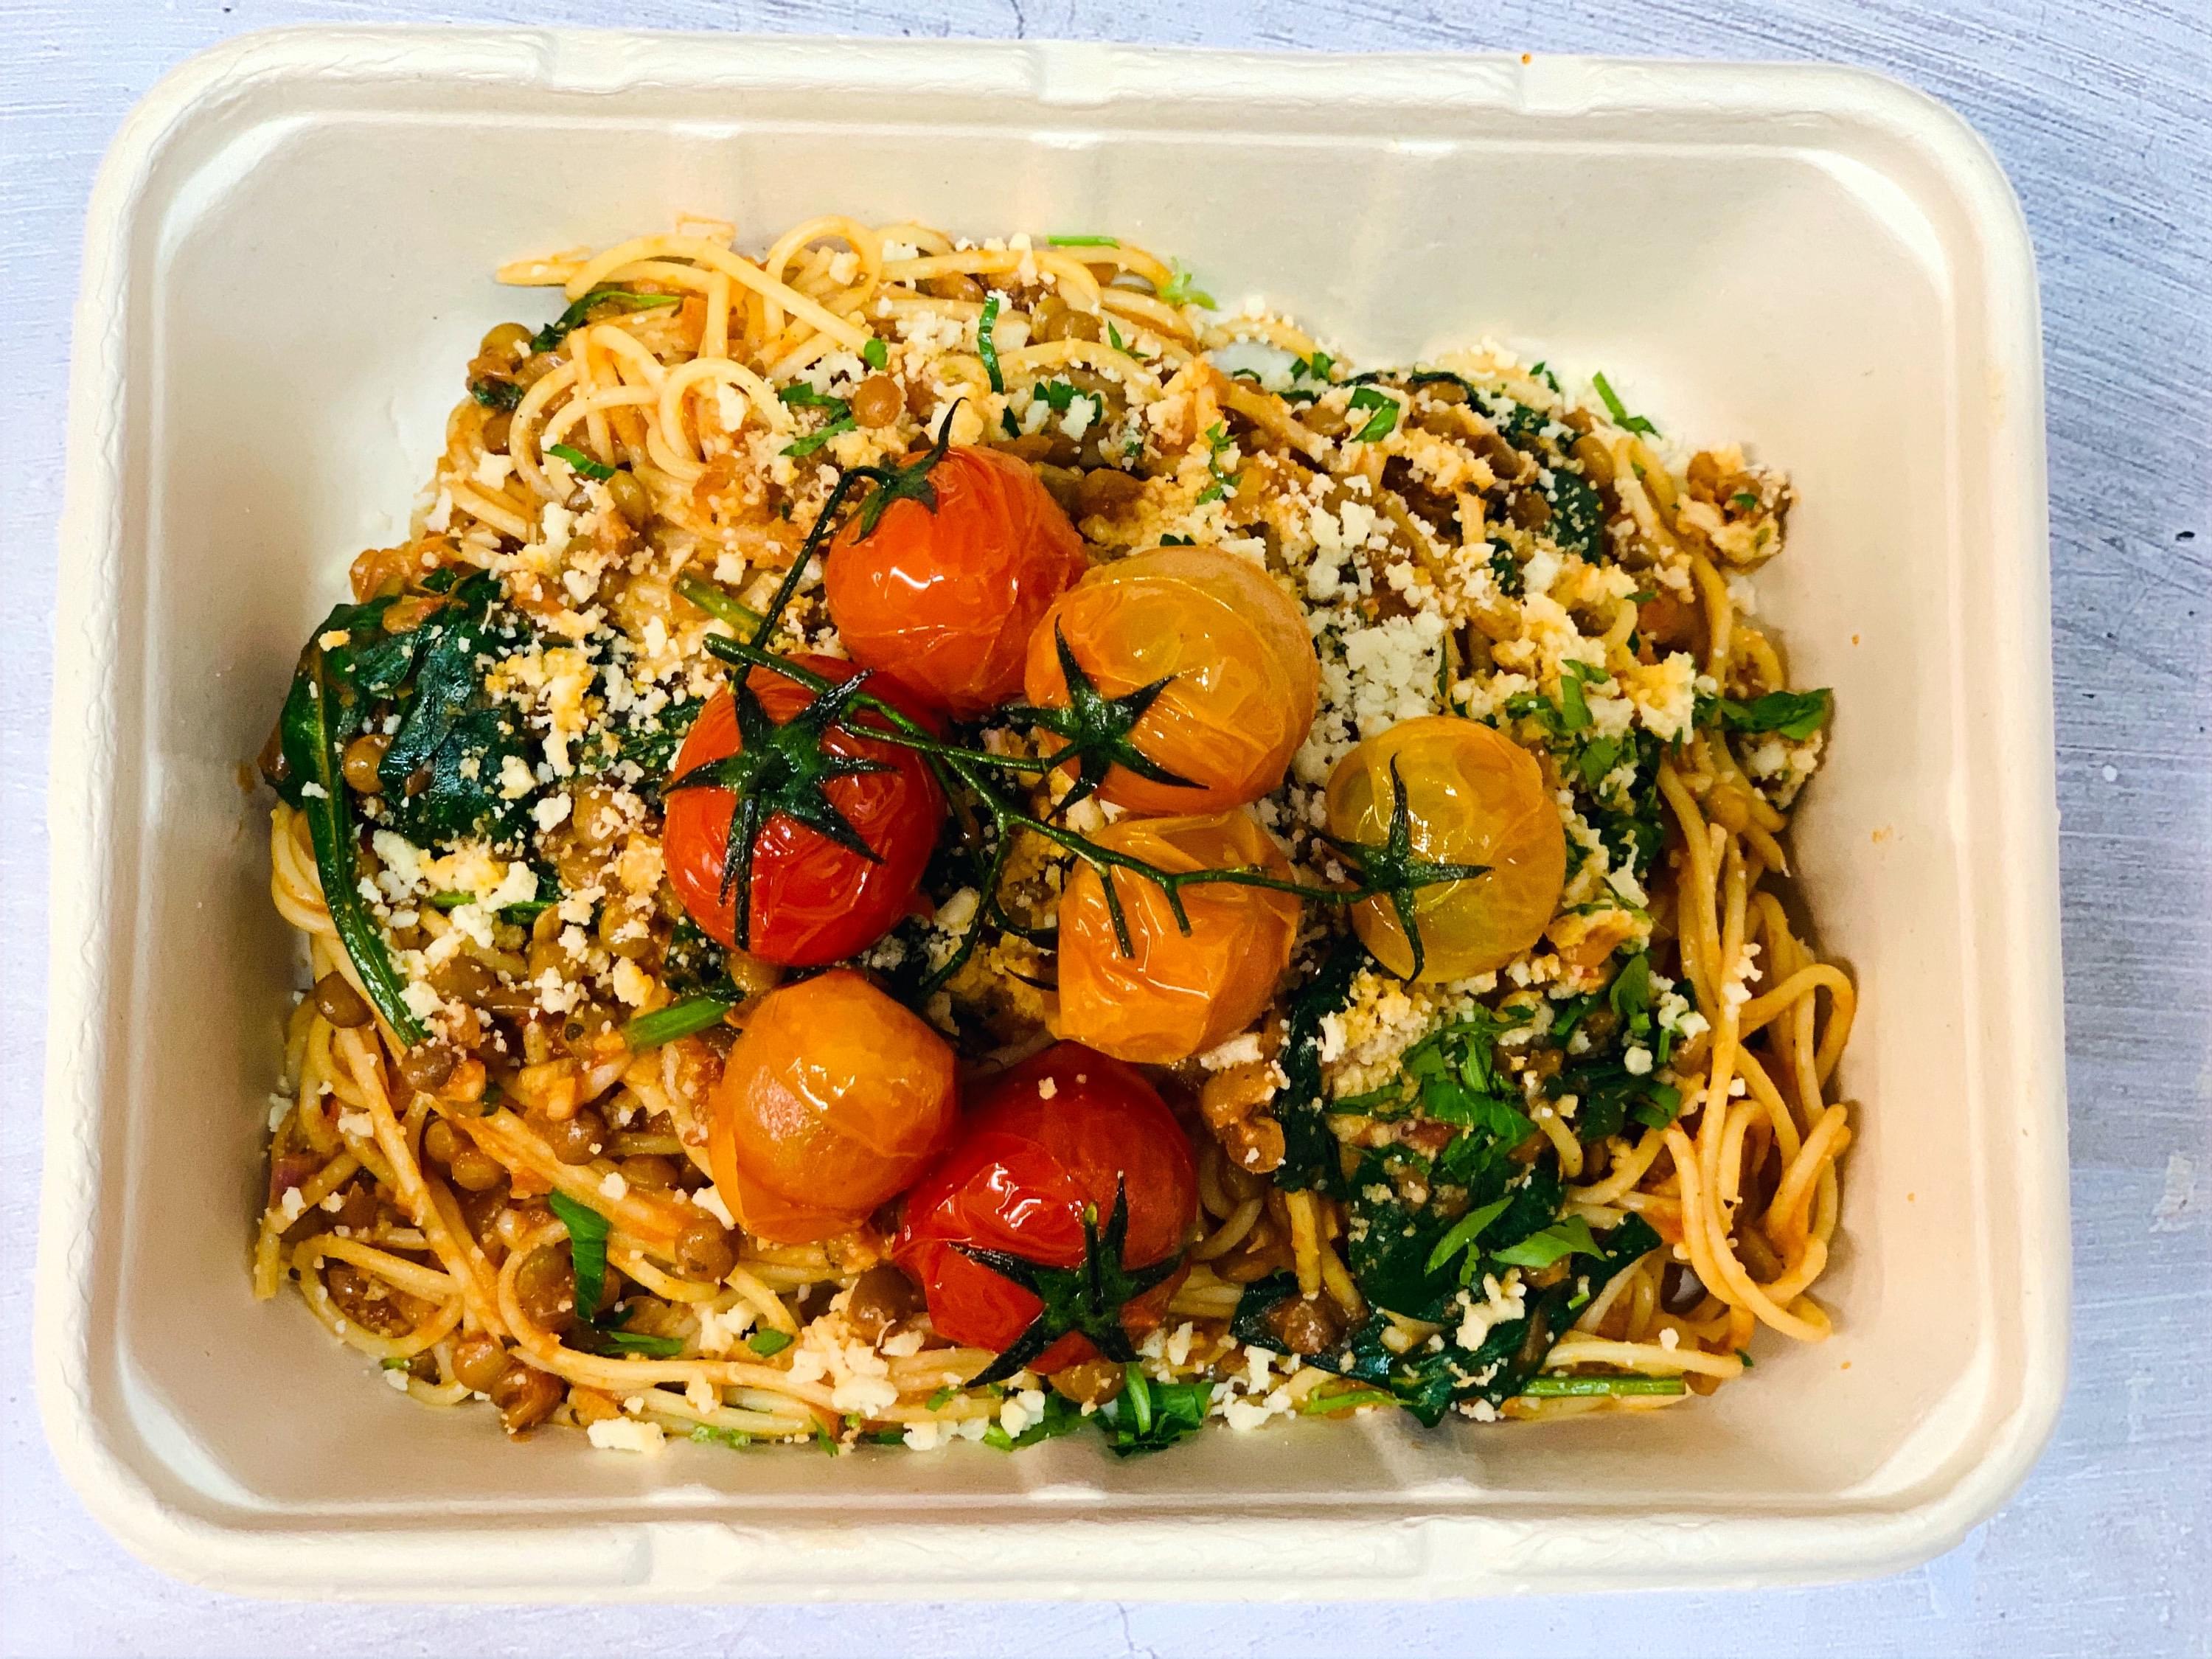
{"x": 625, "y": 1434}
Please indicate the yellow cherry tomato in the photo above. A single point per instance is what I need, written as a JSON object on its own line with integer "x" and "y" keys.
{"x": 1175, "y": 995}
{"x": 833, "y": 1100}
{"x": 1471, "y": 797}
{"x": 1244, "y": 685}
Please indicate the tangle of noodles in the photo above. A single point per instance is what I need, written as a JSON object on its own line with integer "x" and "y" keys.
{"x": 414, "y": 1211}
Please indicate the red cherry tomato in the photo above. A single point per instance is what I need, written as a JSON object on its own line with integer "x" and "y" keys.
{"x": 813, "y": 901}
{"x": 943, "y": 599}
{"x": 834, "y": 1097}
{"x": 1053, "y": 1135}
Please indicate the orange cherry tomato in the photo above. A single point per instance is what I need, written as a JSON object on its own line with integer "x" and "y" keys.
{"x": 813, "y": 901}
{"x": 1061, "y": 1133}
{"x": 943, "y": 599}
{"x": 1176, "y": 994}
{"x": 833, "y": 1099}
{"x": 1471, "y": 797}
{"x": 1245, "y": 681}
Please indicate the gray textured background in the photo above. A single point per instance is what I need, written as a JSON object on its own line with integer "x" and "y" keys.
{"x": 2102, "y": 113}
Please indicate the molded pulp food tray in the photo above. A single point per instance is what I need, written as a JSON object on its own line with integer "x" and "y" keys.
{"x": 288, "y": 260}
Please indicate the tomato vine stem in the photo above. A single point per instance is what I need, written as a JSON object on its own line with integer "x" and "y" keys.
{"x": 1390, "y": 869}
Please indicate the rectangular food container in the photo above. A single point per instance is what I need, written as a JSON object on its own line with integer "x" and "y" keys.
{"x": 288, "y": 259}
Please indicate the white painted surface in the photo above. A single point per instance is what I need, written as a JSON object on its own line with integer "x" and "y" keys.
{"x": 2106, "y": 1549}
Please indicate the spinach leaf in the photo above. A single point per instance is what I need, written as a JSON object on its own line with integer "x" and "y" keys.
{"x": 1610, "y": 1094}
{"x": 1309, "y": 1150}
{"x": 1542, "y": 1249}
{"x": 1454, "y": 1071}
{"x": 496, "y": 391}
{"x": 441, "y": 775}
{"x": 1577, "y": 514}
{"x": 1397, "y": 1250}
{"x": 1428, "y": 1381}
{"x": 328, "y": 704}
{"x": 1149, "y": 1416}
{"x": 650, "y": 744}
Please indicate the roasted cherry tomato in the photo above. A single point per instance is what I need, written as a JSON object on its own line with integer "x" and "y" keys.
{"x": 813, "y": 901}
{"x": 1242, "y": 679}
{"x": 833, "y": 1099}
{"x": 1052, "y": 1140}
{"x": 1471, "y": 797}
{"x": 943, "y": 598}
{"x": 1175, "y": 994}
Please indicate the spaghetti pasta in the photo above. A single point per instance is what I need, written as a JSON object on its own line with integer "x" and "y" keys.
{"x": 474, "y": 1135}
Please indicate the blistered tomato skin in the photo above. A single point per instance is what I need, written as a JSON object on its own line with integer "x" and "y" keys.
{"x": 944, "y": 601}
{"x": 1052, "y": 1136}
{"x": 1175, "y": 994}
{"x": 1246, "y": 682}
{"x": 834, "y": 1097}
{"x": 1473, "y": 797}
{"x": 813, "y": 901}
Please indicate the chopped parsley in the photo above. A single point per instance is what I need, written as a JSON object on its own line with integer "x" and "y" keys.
{"x": 583, "y": 464}
{"x": 1181, "y": 289}
{"x": 1794, "y": 715}
{"x": 1621, "y": 417}
{"x": 1382, "y": 421}
{"x": 1217, "y": 441}
{"x": 588, "y": 1249}
{"x": 985, "y": 347}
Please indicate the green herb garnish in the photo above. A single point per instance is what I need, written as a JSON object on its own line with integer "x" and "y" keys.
{"x": 685, "y": 1016}
{"x": 1621, "y": 417}
{"x": 1217, "y": 441}
{"x": 1385, "y": 419}
{"x": 765, "y": 1343}
{"x": 587, "y": 1250}
{"x": 1148, "y": 1416}
{"x": 800, "y": 448}
{"x": 558, "y": 330}
{"x": 985, "y": 347}
{"x": 1542, "y": 1250}
{"x": 875, "y": 354}
{"x": 1180, "y": 290}
{"x": 581, "y": 462}
{"x": 1794, "y": 714}
{"x": 1569, "y": 1387}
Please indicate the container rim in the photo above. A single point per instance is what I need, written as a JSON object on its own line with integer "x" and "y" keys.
{"x": 256, "y": 1558}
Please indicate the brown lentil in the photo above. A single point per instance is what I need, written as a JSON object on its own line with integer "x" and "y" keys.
{"x": 876, "y": 401}
{"x": 577, "y": 1140}
{"x": 362, "y": 756}
{"x": 524, "y": 1395}
{"x": 881, "y": 1297}
{"x": 337, "y": 1001}
{"x": 479, "y": 1361}
{"x": 1088, "y": 1382}
{"x": 704, "y": 1249}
